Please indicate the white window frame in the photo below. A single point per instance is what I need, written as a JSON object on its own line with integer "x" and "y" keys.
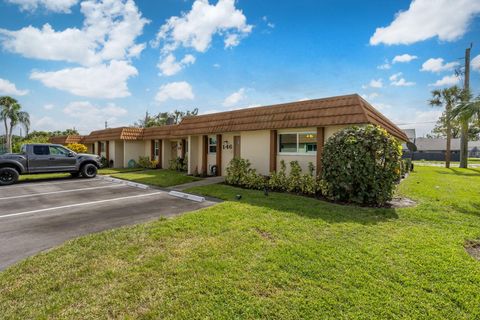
{"x": 313, "y": 153}
{"x": 156, "y": 148}
{"x": 212, "y": 144}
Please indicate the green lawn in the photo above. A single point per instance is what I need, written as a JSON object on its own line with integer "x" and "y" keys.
{"x": 47, "y": 176}
{"x": 159, "y": 178}
{"x": 275, "y": 257}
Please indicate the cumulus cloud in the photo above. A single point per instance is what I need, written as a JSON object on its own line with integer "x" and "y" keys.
{"x": 9, "y": 88}
{"x": 170, "y": 66}
{"x": 195, "y": 29}
{"x": 63, "y": 6}
{"x": 234, "y": 98}
{"x": 103, "y": 46}
{"x": 446, "y": 81}
{"x": 175, "y": 91}
{"x": 374, "y": 83}
{"x": 396, "y": 80}
{"x": 446, "y": 19}
{"x": 404, "y": 58}
{"x": 438, "y": 65}
{"x": 370, "y": 96}
{"x": 48, "y": 107}
{"x": 385, "y": 66}
{"x": 109, "y": 32}
{"x": 475, "y": 63}
{"x": 102, "y": 81}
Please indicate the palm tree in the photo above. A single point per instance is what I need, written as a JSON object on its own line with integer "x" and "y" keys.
{"x": 448, "y": 98}
{"x": 12, "y": 115}
{"x": 466, "y": 112}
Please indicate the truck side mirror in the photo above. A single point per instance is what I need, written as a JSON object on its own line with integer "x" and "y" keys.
{"x": 71, "y": 154}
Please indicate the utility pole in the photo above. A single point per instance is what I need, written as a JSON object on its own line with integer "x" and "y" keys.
{"x": 464, "y": 135}
{"x": 106, "y": 125}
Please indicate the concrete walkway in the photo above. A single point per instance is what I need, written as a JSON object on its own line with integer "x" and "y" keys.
{"x": 200, "y": 183}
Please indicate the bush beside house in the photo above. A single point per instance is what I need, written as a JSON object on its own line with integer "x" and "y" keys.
{"x": 360, "y": 165}
{"x": 77, "y": 147}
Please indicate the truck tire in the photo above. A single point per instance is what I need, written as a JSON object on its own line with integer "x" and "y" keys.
{"x": 88, "y": 171}
{"x": 8, "y": 176}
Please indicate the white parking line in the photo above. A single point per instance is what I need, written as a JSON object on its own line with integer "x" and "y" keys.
{"x": 33, "y": 184}
{"x": 80, "y": 204}
{"x": 61, "y": 191}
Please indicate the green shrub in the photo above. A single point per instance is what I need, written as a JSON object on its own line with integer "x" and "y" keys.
{"x": 77, "y": 147}
{"x": 361, "y": 165}
{"x": 408, "y": 164}
{"x": 294, "y": 178}
{"x": 240, "y": 174}
{"x": 178, "y": 164}
{"x": 104, "y": 162}
{"x": 145, "y": 162}
{"x": 278, "y": 180}
{"x": 308, "y": 182}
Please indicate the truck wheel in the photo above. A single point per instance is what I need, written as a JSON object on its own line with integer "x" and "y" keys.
{"x": 89, "y": 171}
{"x": 8, "y": 176}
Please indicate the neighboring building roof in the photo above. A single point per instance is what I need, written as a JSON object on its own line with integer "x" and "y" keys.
{"x": 440, "y": 144}
{"x": 122, "y": 133}
{"x": 66, "y": 139}
{"x": 341, "y": 110}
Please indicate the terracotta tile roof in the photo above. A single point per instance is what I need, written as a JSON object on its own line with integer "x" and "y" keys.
{"x": 349, "y": 109}
{"x": 66, "y": 139}
{"x": 341, "y": 110}
{"x": 122, "y": 133}
{"x": 163, "y": 132}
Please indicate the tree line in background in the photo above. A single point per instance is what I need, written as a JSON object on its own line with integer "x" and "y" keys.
{"x": 460, "y": 119}
{"x": 164, "y": 118}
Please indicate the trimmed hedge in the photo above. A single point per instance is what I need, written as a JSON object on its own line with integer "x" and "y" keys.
{"x": 361, "y": 165}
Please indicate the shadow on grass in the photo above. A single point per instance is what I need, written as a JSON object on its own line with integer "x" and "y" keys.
{"x": 473, "y": 209}
{"x": 303, "y": 206}
{"x": 460, "y": 172}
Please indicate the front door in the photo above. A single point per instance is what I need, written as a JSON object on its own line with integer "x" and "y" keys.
{"x": 236, "y": 146}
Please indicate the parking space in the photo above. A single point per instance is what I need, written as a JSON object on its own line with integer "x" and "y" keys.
{"x": 40, "y": 215}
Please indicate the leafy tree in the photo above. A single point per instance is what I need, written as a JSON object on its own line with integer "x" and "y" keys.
{"x": 12, "y": 115}
{"x": 467, "y": 111}
{"x": 440, "y": 130}
{"x": 164, "y": 118}
{"x": 447, "y": 98}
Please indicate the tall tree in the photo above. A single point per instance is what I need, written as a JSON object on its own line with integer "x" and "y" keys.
{"x": 12, "y": 115}
{"x": 467, "y": 111}
{"x": 164, "y": 118}
{"x": 447, "y": 98}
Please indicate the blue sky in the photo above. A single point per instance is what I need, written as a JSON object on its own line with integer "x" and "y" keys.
{"x": 75, "y": 63}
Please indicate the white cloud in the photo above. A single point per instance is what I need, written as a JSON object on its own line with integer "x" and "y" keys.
{"x": 438, "y": 65}
{"x": 422, "y": 121}
{"x": 84, "y": 116}
{"x": 385, "y": 66}
{"x": 9, "y": 88}
{"x": 109, "y": 32}
{"x": 102, "y": 81}
{"x": 175, "y": 91}
{"x": 63, "y": 6}
{"x": 234, "y": 98}
{"x": 48, "y": 106}
{"x": 397, "y": 81}
{"x": 446, "y": 19}
{"x": 404, "y": 58}
{"x": 475, "y": 63}
{"x": 170, "y": 66}
{"x": 216, "y": 65}
{"x": 196, "y": 28}
{"x": 374, "y": 83}
{"x": 446, "y": 81}
{"x": 370, "y": 96}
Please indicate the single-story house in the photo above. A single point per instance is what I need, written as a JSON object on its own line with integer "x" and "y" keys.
{"x": 436, "y": 148}
{"x": 263, "y": 135}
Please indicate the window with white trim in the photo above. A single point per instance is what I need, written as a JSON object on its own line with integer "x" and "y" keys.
{"x": 297, "y": 143}
{"x": 156, "y": 148}
{"x": 212, "y": 144}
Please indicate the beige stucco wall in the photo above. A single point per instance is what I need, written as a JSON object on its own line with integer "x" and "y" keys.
{"x": 193, "y": 152}
{"x": 330, "y": 131}
{"x": 132, "y": 150}
{"x": 227, "y": 150}
{"x": 118, "y": 154}
{"x": 166, "y": 153}
{"x": 255, "y": 146}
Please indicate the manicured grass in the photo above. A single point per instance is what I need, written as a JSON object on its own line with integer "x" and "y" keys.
{"x": 47, "y": 176}
{"x": 160, "y": 178}
{"x": 275, "y": 257}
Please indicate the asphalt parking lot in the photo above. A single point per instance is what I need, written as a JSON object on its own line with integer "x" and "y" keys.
{"x": 35, "y": 216}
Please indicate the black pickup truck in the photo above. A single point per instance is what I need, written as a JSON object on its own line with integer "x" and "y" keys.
{"x": 46, "y": 158}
